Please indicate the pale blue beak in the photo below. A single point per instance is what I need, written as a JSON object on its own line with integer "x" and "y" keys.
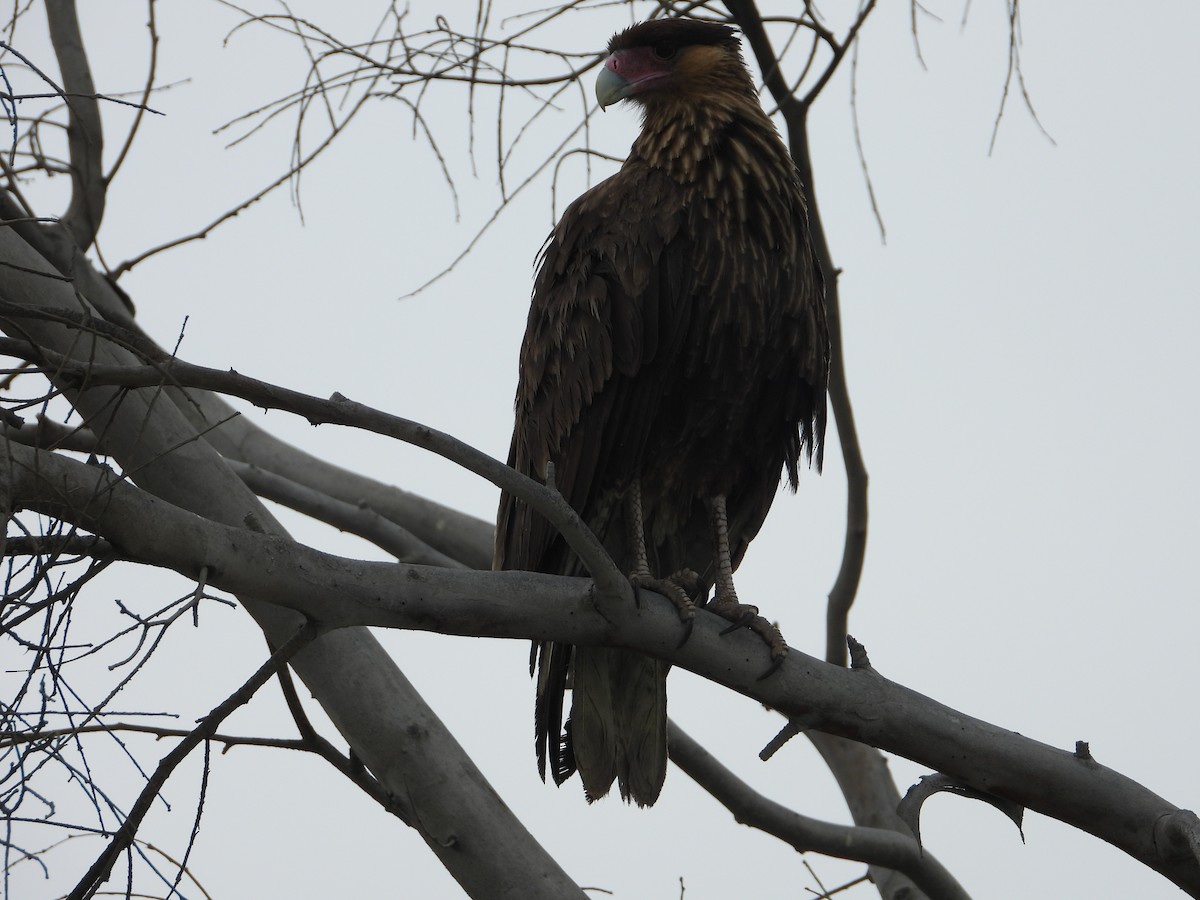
{"x": 611, "y": 87}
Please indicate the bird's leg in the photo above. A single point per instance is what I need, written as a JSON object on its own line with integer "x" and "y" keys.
{"x": 725, "y": 601}
{"x": 674, "y": 587}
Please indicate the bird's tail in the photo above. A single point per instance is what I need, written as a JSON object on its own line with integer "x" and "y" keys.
{"x": 619, "y": 723}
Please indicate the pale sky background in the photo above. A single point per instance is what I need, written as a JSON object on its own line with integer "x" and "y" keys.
{"x": 1022, "y": 360}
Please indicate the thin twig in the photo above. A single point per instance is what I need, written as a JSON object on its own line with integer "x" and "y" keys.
{"x": 100, "y": 870}
{"x": 1014, "y": 70}
{"x": 142, "y": 107}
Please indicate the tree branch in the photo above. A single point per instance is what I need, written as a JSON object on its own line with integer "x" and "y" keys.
{"x": 151, "y": 71}
{"x": 455, "y": 534}
{"x": 448, "y": 531}
{"x": 861, "y": 772}
{"x": 879, "y": 847}
{"x": 383, "y": 718}
{"x": 100, "y": 869}
{"x": 870, "y": 792}
{"x": 795, "y": 115}
{"x": 339, "y": 410}
{"x": 857, "y": 703}
{"x": 355, "y": 518}
{"x": 85, "y": 135}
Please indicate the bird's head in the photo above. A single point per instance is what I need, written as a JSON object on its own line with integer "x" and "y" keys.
{"x": 668, "y": 60}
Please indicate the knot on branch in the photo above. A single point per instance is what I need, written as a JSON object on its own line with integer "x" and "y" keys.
{"x": 858, "y": 654}
{"x": 1177, "y": 836}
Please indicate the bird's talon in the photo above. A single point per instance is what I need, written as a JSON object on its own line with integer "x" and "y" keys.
{"x": 776, "y": 665}
{"x": 739, "y": 616}
{"x": 671, "y": 587}
{"x": 688, "y": 579}
{"x": 688, "y": 628}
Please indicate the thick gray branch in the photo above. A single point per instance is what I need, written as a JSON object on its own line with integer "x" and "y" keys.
{"x": 448, "y": 531}
{"x": 881, "y": 848}
{"x": 355, "y": 518}
{"x": 856, "y": 703}
{"x": 457, "y": 535}
{"x": 337, "y": 410}
{"x": 867, "y": 785}
{"x": 85, "y": 135}
{"x": 367, "y": 697}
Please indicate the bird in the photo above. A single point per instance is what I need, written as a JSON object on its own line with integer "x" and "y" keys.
{"x": 674, "y": 366}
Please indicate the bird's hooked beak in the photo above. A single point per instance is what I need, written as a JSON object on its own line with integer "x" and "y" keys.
{"x": 610, "y": 86}
{"x": 629, "y": 72}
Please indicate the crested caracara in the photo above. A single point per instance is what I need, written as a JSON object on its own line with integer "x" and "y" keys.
{"x": 673, "y": 366}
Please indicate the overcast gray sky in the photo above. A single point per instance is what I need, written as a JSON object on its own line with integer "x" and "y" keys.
{"x": 1021, "y": 355}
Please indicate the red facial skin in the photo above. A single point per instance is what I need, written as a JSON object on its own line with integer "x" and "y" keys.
{"x": 629, "y": 72}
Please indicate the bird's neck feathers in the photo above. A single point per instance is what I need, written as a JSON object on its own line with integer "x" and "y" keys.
{"x": 700, "y": 145}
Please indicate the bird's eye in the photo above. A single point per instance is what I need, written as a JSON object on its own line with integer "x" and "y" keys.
{"x": 665, "y": 50}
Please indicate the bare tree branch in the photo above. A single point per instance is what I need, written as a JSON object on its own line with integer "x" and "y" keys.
{"x": 151, "y": 71}
{"x": 341, "y": 411}
{"x": 795, "y": 115}
{"x": 883, "y": 848}
{"x": 869, "y": 788}
{"x": 85, "y": 135}
{"x": 862, "y": 774}
{"x": 69, "y": 545}
{"x": 356, "y": 518}
{"x": 367, "y": 697}
{"x": 1014, "y": 72}
{"x": 99, "y": 872}
{"x": 858, "y": 703}
{"x": 154, "y": 424}
{"x": 458, "y": 536}
{"x": 44, "y": 432}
